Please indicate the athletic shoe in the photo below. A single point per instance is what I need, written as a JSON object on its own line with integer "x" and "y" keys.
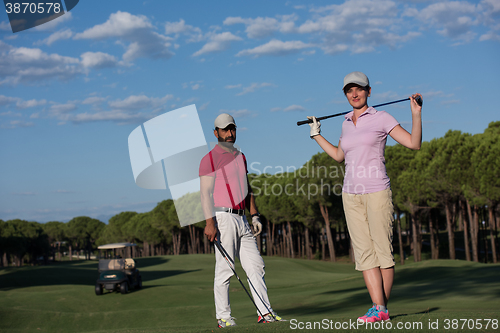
{"x": 368, "y": 314}
{"x": 223, "y": 323}
{"x": 376, "y": 314}
{"x": 270, "y": 318}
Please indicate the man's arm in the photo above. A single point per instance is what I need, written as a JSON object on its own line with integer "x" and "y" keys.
{"x": 207, "y": 204}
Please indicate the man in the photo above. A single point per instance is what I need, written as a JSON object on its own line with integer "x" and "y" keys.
{"x": 225, "y": 193}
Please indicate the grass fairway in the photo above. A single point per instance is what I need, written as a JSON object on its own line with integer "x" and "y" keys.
{"x": 178, "y": 297}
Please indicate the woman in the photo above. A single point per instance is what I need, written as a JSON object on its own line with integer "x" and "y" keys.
{"x": 366, "y": 193}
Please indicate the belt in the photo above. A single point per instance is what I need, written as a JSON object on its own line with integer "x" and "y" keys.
{"x": 240, "y": 212}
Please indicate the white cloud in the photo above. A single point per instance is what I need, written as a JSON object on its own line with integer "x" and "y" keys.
{"x": 203, "y": 106}
{"x": 98, "y": 60}
{"x": 135, "y": 29}
{"x": 195, "y": 85}
{"x": 58, "y": 35}
{"x": 242, "y": 113}
{"x": 10, "y": 114}
{"x": 178, "y": 28}
{"x": 28, "y": 65}
{"x": 234, "y": 86}
{"x": 126, "y": 111}
{"x": 20, "y": 103}
{"x": 490, "y": 17}
{"x": 253, "y": 87}
{"x": 492, "y": 6}
{"x": 30, "y": 104}
{"x": 277, "y": 48}
{"x": 119, "y": 24}
{"x": 119, "y": 116}
{"x": 490, "y": 35}
{"x": 351, "y": 16}
{"x": 51, "y": 25}
{"x": 359, "y": 26}
{"x": 6, "y": 100}
{"x": 17, "y": 124}
{"x": 262, "y": 27}
{"x": 454, "y": 19}
{"x": 61, "y": 111}
{"x": 294, "y": 107}
{"x": 217, "y": 43}
{"x": 137, "y": 102}
{"x": 190, "y": 101}
{"x": 153, "y": 46}
{"x": 239, "y": 113}
{"x": 93, "y": 100}
{"x": 134, "y": 102}
{"x": 5, "y": 26}
{"x": 386, "y": 96}
{"x": 333, "y": 48}
{"x": 454, "y": 101}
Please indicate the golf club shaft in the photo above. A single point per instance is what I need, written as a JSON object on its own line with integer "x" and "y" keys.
{"x": 223, "y": 253}
{"x": 418, "y": 100}
{"x": 249, "y": 282}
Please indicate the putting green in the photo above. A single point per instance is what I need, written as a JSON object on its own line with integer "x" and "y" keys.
{"x": 178, "y": 297}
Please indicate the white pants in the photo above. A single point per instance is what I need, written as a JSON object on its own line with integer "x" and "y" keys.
{"x": 237, "y": 239}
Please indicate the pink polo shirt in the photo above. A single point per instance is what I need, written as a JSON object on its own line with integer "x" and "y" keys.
{"x": 230, "y": 172}
{"x": 364, "y": 145}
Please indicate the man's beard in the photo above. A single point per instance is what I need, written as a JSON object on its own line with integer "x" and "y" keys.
{"x": 225, "y": 142}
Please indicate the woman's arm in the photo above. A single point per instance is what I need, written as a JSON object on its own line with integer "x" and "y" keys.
{"x": 334, "y": 152}
{"x": 413, "y": 140}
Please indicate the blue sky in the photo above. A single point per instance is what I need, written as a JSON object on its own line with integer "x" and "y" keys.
{"x": 72, "y": 90}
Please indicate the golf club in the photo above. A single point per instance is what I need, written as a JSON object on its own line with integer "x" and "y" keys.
{"x": 418, "y": 99}
{"x": 225, "y": 255}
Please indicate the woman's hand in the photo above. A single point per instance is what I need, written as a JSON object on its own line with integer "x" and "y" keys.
{"x": 416, "y": 109}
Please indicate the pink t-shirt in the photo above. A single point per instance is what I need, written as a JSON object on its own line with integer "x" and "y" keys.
{"x": 230, "y": 172}
{"x": 363, "y": 145}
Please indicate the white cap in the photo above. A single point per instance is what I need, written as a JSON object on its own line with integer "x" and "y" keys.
{"x": 224, "y": 120}
{"x": 357, "y": 78}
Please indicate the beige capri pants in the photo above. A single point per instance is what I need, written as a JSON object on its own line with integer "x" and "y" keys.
{"x": 369, "y": 219}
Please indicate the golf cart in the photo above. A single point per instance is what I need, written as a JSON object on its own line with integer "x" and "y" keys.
{"x": 115, "y": 272}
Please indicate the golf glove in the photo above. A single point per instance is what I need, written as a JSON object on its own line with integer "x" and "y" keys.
{"x": 315, "y": 126}
{"x": 257, "y": 226}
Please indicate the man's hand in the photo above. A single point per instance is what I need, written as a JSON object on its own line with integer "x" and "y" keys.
{"x": 211, "y": 230}
{"x": 315, "y": 127}
{"x": 257, "y": 226}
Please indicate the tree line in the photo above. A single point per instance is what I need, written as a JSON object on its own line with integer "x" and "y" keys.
{"x": 33, "y": 243}
{"x": 450, "y": 187}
